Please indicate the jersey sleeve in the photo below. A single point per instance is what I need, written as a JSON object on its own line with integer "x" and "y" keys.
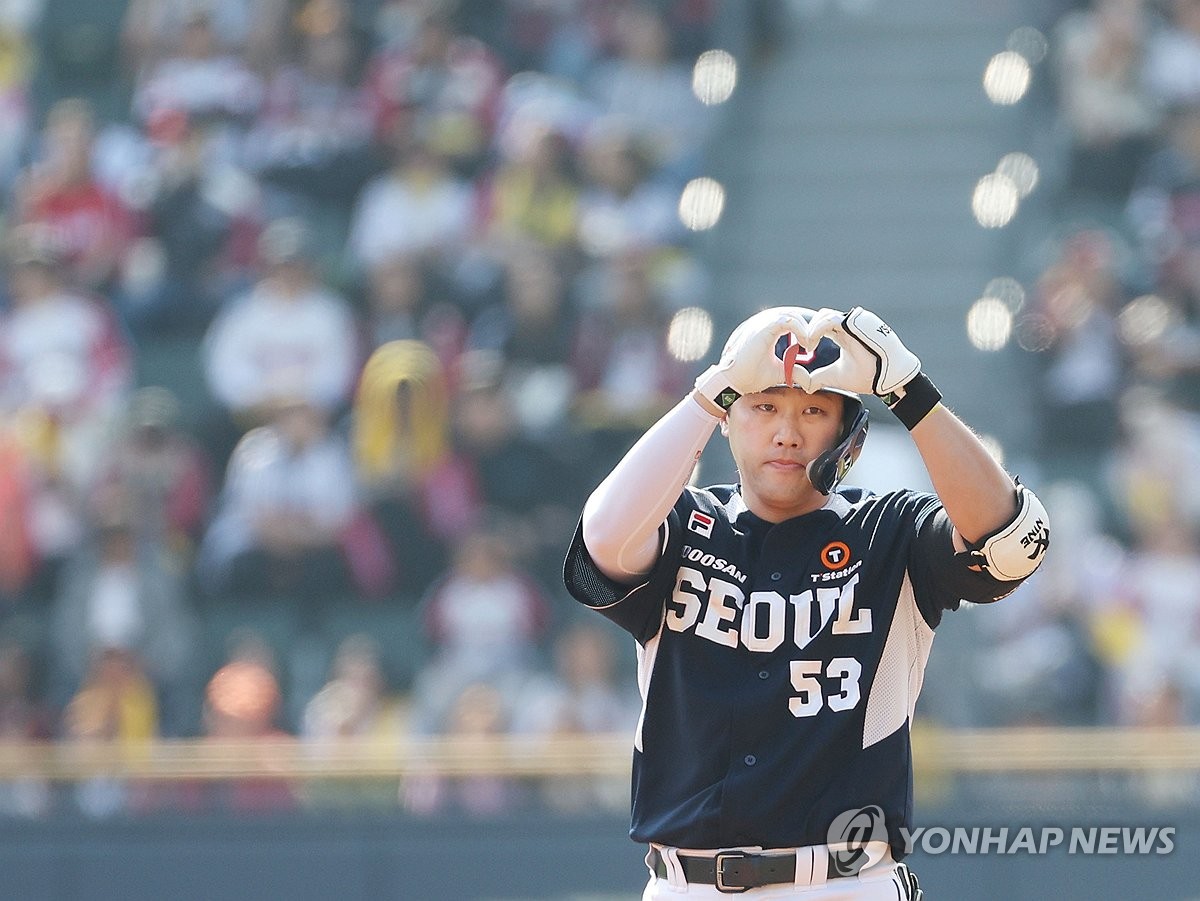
{"x": 942, "y": 578}
{"x": 638, "y": 609}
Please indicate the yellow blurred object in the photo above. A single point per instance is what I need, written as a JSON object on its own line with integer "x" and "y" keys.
{"x": 400, "y": 412}
{"x": 37, "y": 434}
{"x": 117, "y": 703}
{"x": 1115, "y": 633}
{"x": 16, "y": 60}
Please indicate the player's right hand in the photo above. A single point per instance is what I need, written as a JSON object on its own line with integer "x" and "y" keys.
{"x": 749, "y": 362}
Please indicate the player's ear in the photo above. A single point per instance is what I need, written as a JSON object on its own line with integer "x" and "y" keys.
{"x": 725, "y": 427}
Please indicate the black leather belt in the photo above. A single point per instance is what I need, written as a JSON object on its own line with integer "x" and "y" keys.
{"x": 738, "y": 871}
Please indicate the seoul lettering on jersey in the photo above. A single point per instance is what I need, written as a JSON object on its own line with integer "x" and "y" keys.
{"x": 709, "y": 608}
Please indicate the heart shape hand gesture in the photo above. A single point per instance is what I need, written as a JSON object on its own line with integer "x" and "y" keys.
{"x": 796, "y": 347}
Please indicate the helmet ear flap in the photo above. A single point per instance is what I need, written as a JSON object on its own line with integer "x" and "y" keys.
{"x": 827, "y": 470}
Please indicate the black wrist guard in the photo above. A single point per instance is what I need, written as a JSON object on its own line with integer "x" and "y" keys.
{"x": 912, "y": 402}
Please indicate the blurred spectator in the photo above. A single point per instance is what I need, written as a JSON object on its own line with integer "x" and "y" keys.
{"x": 478, "y": 713}
{"x": 92, "y": 227}
{"x": 563, "y": 38}
{"x": 115, "y": 703}
{"x": 289, "y": 336}
{"x": 242, "y": 702}
{"x": 354, "y": 705}
{"x": 1154, "y": 485}
{"x": 62, "y": 356}
{"x": 625, "y": 373}
{"x": 531, "y": 329}
{"x": 23, "y": 718}
{"x": 534, "y": 104}
{"x": 199, "y": 78}
{"x": 19, "y": 550}
{"x": 417, "y": 208}
{"x": 484, "y": 620}
{"x": 312, "y": 138}
{"x": 201, "y": 215}
{"x": 583, "y": 693}
{"x": 649, "y": 93}
{"x": 570, "y": 37}
{"x": 116, "y": 594}
{"x": 1163, "y": 208}
{"x": 153, "y": 29}
{"x": 16, "y": 68}
{"x": 581, "y": 697}
{"x": 1154, "y": 482}
{"x": 534, "y": 194}
{"x": 1173, "y": 56}
{"x": 449, "y": 80}
{"x": 407, "y": 301}
{"x": 625, "y": 207}
{"x": 1154, "y": 473}
{"x": 423, "y": 496}
{"x": 1073, "y": 322}
{"x": 521, "y": 471}
{"x": 156, "y": 472}
{"x": 1036, "y": 665}
{"x": 1110, "y": 116}
{"x": 285, "y": 511}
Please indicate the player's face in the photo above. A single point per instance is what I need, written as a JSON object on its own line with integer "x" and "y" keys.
{"x": 773, "y": 435}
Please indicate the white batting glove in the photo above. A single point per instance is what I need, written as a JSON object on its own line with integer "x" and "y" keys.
{"x": 874, "y": 361}
{"x": 749, "y": 362}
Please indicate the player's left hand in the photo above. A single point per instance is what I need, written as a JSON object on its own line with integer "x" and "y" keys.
{"x": 873, "y": 359}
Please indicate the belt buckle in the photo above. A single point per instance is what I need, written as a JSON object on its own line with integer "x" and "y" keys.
{"x": 719, "y": 872}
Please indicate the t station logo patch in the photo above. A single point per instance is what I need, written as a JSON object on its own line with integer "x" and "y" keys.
{"x": 835, "y": 555}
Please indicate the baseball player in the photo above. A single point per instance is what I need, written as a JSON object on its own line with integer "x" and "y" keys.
{"x": 783, "y": 624}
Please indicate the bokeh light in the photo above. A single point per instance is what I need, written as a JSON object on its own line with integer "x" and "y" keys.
{"x": 690, "y": 334}
{"x": 701, "y": 203}
{"x": 1030, "y": 43}
{"x": 1145, "y": 320}
{"x": 714, "y": 77}
{"x": 995, "y": 200}
{"x": 1035, "y": 332}
{"x": 1022, "y": 169}
{"x": 1007, "y": 290}
{"x": 989, "y": 324}
{"x": 1007, "y": 77}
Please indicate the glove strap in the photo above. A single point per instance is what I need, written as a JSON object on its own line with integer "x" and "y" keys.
{"x": 713, "y": 385}
{"x": 726, "y": 398}
{"x": 912, "y": 402}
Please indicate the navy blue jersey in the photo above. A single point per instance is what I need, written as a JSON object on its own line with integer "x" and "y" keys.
{"x": 779, "y": 663}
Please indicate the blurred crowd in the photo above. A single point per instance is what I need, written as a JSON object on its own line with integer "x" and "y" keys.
{"x": 337, "y": 309}
{"x": 419, "y": 259}
{"x": 1110, "y": 632}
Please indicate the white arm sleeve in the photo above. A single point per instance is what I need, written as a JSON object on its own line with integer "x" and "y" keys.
{"x": 622, "y": 517}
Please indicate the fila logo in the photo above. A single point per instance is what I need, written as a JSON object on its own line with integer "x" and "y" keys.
{"x": 701, "y": 523}
{"x": 835, "y": 555}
